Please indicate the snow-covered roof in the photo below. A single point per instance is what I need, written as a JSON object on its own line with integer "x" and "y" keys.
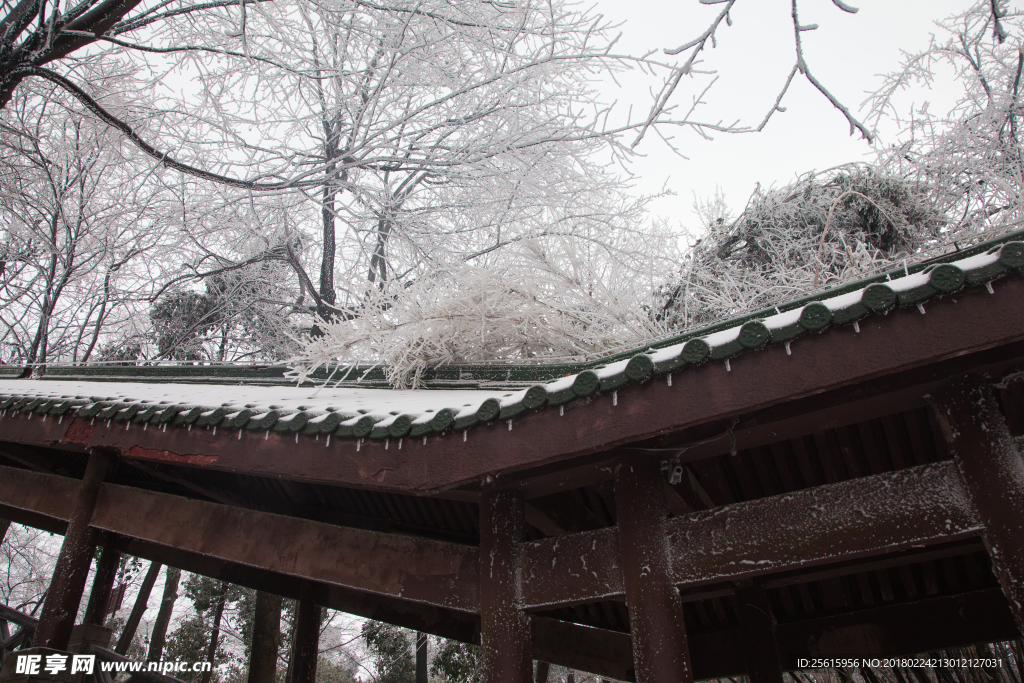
{"x": 378, "y": 413}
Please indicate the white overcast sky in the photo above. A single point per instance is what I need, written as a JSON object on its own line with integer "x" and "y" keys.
{"x": 753, "y": 57}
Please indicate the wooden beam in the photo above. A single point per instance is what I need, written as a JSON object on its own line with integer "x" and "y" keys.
{"x": 868, "y": 517}
{"x": 757, "y": 629}
{"x": 595, "y": 650}
{"x": 948, "y": 621}
{"x": 72, "y": 569}
{"x": 859, "y": 518}
{"x": 504, "y": 627}
{"x": 921, "y": 626}
{"x": 541, "y": 521}
{"x": 903, "y": 628}
{"x": 842, "y": 407}
{"x": 417, "y": 569}
{"x": 993, "y": 473}
{"x": 1011, "y": 395}
{"x": 660, "y": 650}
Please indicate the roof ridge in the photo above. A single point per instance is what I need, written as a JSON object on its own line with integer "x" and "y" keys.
{"x": 397, "y": 414}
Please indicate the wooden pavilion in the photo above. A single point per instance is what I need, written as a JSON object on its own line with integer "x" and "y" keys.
{"x": 837, "y": 476}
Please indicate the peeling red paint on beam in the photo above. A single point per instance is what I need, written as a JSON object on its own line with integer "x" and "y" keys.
{"x": 858, "y": 518}
{"x": 174, "y": 458}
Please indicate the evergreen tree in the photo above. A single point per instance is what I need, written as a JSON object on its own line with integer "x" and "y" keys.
{"x": 190, "y": 641}
{"x": 392, "y": 652}
{"x": 457, "y": 662}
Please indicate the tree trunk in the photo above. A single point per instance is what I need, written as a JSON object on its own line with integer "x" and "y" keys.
{"x": 328, "y": 296}
{"x": 327, "y": 293}
{"x": 211, "y": 652}
{"x": 266, "y": 638}
{"x": 163, "y": 617}
{"x": 5, "y": 524}
{"x": 421, "y": 658}
{"x": 102, "y": 586}
{"x": 128, "y": 634}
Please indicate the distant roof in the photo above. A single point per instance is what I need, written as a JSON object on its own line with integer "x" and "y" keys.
{"x": 460, "y": 397}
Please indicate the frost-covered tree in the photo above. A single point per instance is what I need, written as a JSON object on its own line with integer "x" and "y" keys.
{"x": 404, "y": 135}
{"x": 27, "y": 558}
{"x": 969, "y": 158}
{"x": 457, "y": 662}
{"x": 992, "y": 15}
{"x": 946, "y": 182}
{"x": 431, "y": 133}
{"x": 392, "y": 655}
{"x": 553, "y": 299}
{"x": 73, "y": 226}
{"x": 816, "y": 233}
{"x": 199, "y": 637}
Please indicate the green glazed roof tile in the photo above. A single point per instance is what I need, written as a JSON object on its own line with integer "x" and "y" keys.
{"x": 378, "y": 413}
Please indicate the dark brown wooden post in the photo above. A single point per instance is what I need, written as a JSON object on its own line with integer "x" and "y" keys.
{"x": 5, "y": 524}
{"x": 421, "y": 657}
{"x": 102, "y": 586}
{"x": 993, "y": 473}
{"x": 65, "y": 592}
{"x": 757, "y": 630}
{"x": 138, "y": 609}
{"x": 306, "y": 643}
{"x": 660, "y": 651}
{"x": 266, "y": 638}
{"x": 543, "y": 669}
{"x": 163, "y": 616}
{"x": 504, "y": 628}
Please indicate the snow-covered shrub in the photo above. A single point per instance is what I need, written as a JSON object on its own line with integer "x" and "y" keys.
{"x": 548, "y": 303}
{"x": 822, "y": 230}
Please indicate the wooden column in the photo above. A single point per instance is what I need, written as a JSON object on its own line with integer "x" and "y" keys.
{"x": 757, "y": 630}
{"x": 543, "y": 669}
{"x": 102, "y": 586}
{"x": 65, "y": 592}
{"x": 5, "y": 524}
{"x": 306, "y": 642}
{"x": 660, "y": 651}
{"x": 993, "y": 474}
{"x": 266, "y": 638}
{"x": 421, "y": 658}
{"x": 504, "y": 628}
